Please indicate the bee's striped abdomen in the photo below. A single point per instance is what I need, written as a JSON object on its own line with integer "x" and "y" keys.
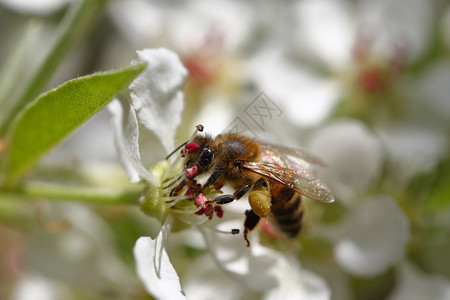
{"x": 287, "y": 209}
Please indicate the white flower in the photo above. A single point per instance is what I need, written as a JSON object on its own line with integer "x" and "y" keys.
{"x": 352, "y": 155}
{"x": 386, "y": 21}
{"x": 32, "y": 286}
{"x": 412, "y": 149}
{"x": 304, "y": 97}
{"x": 261, "y": 269}
{"x": 185, "y": 26}
{"x": 157, "y": 96}
{"x": 154, "y": 268}
{"x": 361, "y": 47}
{"x": 415, "y": 285}
{"x": 391, "y": 21}
{"x": 156, "y": 104}
{"x": 330, "y": 41}
{"x": 86, "y": 244}
{"x": 204, "y": 281}
{"x": 374, "y": 237}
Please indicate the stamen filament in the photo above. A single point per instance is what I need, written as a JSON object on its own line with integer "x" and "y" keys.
{"x": 169, "y": 186}
{"x": 185, "y": 211}
{"x": 177, "y": 159}
{"x": 232, "y": 231}
{"x": 169, "y": 189}
{"x": 189, "y": 221}
{"x": 176, "y": 199}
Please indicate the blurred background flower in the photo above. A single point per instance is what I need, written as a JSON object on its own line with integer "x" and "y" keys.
{"x": 364, "y": 85}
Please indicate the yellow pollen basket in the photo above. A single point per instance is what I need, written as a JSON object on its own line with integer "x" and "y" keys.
{"x": 260, "y": 201}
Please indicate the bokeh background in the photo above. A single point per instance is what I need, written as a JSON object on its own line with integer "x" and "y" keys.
{"x": 364, "y": 85}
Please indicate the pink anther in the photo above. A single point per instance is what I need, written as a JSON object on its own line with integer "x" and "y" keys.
{"x": 191, "y": 172}
{"x": 218, "y": 210}
{"x": 201, "y": 199}
{"x": 201, "y": 211}
{"x": 193, "y": 187}
{"x": 209, "y": 211}
{"x": 191, "y": 147}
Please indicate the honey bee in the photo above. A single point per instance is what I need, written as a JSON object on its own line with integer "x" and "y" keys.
{"x": 275, "y": 177}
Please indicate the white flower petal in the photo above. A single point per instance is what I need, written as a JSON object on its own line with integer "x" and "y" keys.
{"x": 414, "y": 285}
{"x": 156, "y": 94}
{"x": 139, "y": 21}
{"x": 304, "y": 97}
{"x": 86, "y": 244}
{"x": 397, "y": 23}
{"x": 126, "y": 134}
{"x": 151, "y": 149}
{"x": 221, "y": 24}
{"x": 297, "y": 283}
{"x": 204, "y": 280}
{"x": 262, "y": 269}
{"x": 41, "y": 7}
{"x": 254, "y": 266}
{"x": 332, "y": 40}
{"x": 187, "y": 26}
{"x": 352, "y": 156}
{"x": 314, "y": 287}
{"x": 375, "y": 236}
{"x": 215, "y": 115}
{"x": 413, "y": 149}
{"x": 92, "y": 238}
{"x": 38, "y": 287}
{"x": 154, "y": 268}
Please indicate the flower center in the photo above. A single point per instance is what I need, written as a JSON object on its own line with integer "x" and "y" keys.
{"x": 179, "y": 194}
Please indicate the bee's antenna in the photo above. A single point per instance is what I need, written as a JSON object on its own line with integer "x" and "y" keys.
{"x": 178, "y": 148}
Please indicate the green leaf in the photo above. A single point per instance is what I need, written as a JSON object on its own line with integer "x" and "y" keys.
{"x": 55, "y": 114}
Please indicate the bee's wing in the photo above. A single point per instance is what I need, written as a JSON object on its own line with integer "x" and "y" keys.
{"x": 299, "y": 179}
{"x": 291, "y": 155}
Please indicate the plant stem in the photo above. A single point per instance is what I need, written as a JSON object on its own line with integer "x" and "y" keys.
{"x": 79, "y": 193}
{"x": 74, "y": 26}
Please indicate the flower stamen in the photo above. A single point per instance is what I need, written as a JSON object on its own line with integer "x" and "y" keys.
{"x": 180, "y": 194}
{"x": 191, "y": 147}
{"x": 179, "y": 157}
{"x": 206, "y": 208}
{"x": 191, "y": 172}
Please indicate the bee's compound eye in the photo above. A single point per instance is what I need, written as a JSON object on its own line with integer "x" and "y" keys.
{"x": 207, "y": 156}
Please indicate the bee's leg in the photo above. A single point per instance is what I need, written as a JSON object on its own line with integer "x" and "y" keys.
{"x": 251, "y": 220}
{"x": 224, "y": 199}
{"x": 260, "y": 202}
{"x": 214, "y": 176}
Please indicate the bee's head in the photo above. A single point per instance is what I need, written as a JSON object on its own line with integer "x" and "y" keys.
{"x": 203, "y": 156}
